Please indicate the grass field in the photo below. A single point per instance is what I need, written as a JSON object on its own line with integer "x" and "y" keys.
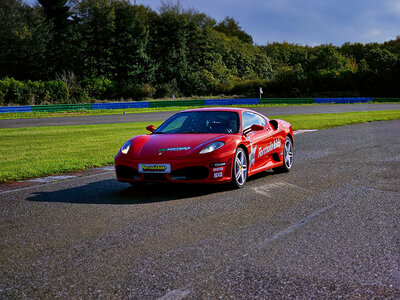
{"x": 33, "y": 152}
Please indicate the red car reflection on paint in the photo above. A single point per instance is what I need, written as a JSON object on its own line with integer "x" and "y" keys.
{"x": 207, "y": 145}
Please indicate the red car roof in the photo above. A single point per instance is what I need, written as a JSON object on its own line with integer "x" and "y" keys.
{"x": 234, "y": 109}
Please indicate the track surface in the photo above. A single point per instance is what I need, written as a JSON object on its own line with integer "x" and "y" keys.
{"x": 161, "y": 116}
{"x": 329, "y": 228}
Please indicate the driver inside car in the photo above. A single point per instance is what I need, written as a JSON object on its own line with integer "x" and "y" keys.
{"x": 232, "y": 126}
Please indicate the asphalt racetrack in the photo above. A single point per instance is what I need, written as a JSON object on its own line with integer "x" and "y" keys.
{"x": 162, "y": 116}
{"x": 329, "y": 228}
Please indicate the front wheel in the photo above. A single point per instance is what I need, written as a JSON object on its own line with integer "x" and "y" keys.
{"x": 287, "y": 156}
{"x": 239, "y": 172}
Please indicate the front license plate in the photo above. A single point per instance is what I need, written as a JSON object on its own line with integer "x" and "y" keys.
{"x": 154, "y": 168}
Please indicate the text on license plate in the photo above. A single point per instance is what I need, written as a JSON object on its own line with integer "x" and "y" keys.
{"x": 154, "y": 168}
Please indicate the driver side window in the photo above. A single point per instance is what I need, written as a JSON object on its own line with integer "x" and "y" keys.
{"x": 249, "y": 119}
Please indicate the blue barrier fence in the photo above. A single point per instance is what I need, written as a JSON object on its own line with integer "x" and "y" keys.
{"x": 207, "y": 102}
{"x": 15, "y": 109}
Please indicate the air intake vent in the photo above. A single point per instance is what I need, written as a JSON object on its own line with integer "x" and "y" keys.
{"x": 275, "y": 157}
{"x": 190, "y": 173}
{"x": 127, "y": 172}
{"x": 154, "y": 177}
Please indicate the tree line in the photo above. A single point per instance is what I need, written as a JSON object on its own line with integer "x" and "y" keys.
{"x": 114, "y": 49}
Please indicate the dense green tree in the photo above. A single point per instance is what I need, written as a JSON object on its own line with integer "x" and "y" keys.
{"x": 115, "y": 48}
{"x": 231, "y": 28}
{"x": 171, "y": 45}
{"x": 97, "y": 28}
{"x": 380, "y": 60}
{"x": 57, "y": 12}
{"x": 393, "y": 46}
{"x": 59, "y": 51}
{"x": 131, "y": 35}
{"x": 328, "y": 58}
{"x": 24, "y": 38}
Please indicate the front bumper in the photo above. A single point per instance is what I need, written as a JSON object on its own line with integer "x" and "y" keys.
{"x": 198, "y": 170}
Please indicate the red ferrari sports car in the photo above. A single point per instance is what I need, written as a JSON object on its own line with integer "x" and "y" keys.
{"x": 207, "y": 145}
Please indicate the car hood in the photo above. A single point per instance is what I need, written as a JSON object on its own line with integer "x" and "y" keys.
{"x": 172, "y": 145}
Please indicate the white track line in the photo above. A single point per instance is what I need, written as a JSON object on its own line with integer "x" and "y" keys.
{"x": 304, "y": 131}
{"x": 51, "y": 178}
{"x": 299, "y": 224}
{"x": 308, "y": 219}
{"x": 266, "y": 188}
{"x": 175, "y": 295}
{"x": 48, "y": 183}
{"x": 106, "y": 168}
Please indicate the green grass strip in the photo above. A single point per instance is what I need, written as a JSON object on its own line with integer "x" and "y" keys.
{"x": 33, "y": 152}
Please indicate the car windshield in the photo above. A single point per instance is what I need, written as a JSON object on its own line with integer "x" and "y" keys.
{"x": 201, "y": 122}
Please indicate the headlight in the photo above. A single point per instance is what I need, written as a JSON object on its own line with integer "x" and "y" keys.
{"x": 212, "y": 147}
{"x": 125, "y": 148}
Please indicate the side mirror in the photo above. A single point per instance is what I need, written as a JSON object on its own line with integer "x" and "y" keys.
{"x": 254, "y": 127}
{"x": 150, "y": 128}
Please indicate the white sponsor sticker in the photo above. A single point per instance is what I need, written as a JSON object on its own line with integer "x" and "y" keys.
{"x": 272, "y": 146}
{"x": 218, "y": 169}
{"x": 174, "y": 149}
{"x": 252, "y": 155}
{"x": 218, "y": 175}
{"x": 219, "y": 164}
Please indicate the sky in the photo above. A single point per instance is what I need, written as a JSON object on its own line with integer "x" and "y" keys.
{"x": 305, "y": 22}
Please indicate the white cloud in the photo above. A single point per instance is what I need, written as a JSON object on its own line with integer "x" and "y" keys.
{"x": 394, "y": 6}
{"x": 373, "y": 33}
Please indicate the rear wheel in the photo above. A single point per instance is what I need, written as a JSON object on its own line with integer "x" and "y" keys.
{"x": 287, "y": 156}
{"x": 239, "y": 172}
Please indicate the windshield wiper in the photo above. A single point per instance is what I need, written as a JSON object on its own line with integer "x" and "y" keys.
{"x": 190, "y": 131}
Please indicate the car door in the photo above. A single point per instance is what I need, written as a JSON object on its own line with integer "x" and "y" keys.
{"x": 261, "y": 142}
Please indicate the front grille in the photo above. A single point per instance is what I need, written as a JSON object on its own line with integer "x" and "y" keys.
{"x": 127, "y": 172}
{"x": 190, "y": 173}
{"x": 154, "y": 177}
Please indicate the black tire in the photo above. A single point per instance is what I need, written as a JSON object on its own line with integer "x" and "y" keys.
{"x": 287, "y": 156}
{"x": 239, "y": 169}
